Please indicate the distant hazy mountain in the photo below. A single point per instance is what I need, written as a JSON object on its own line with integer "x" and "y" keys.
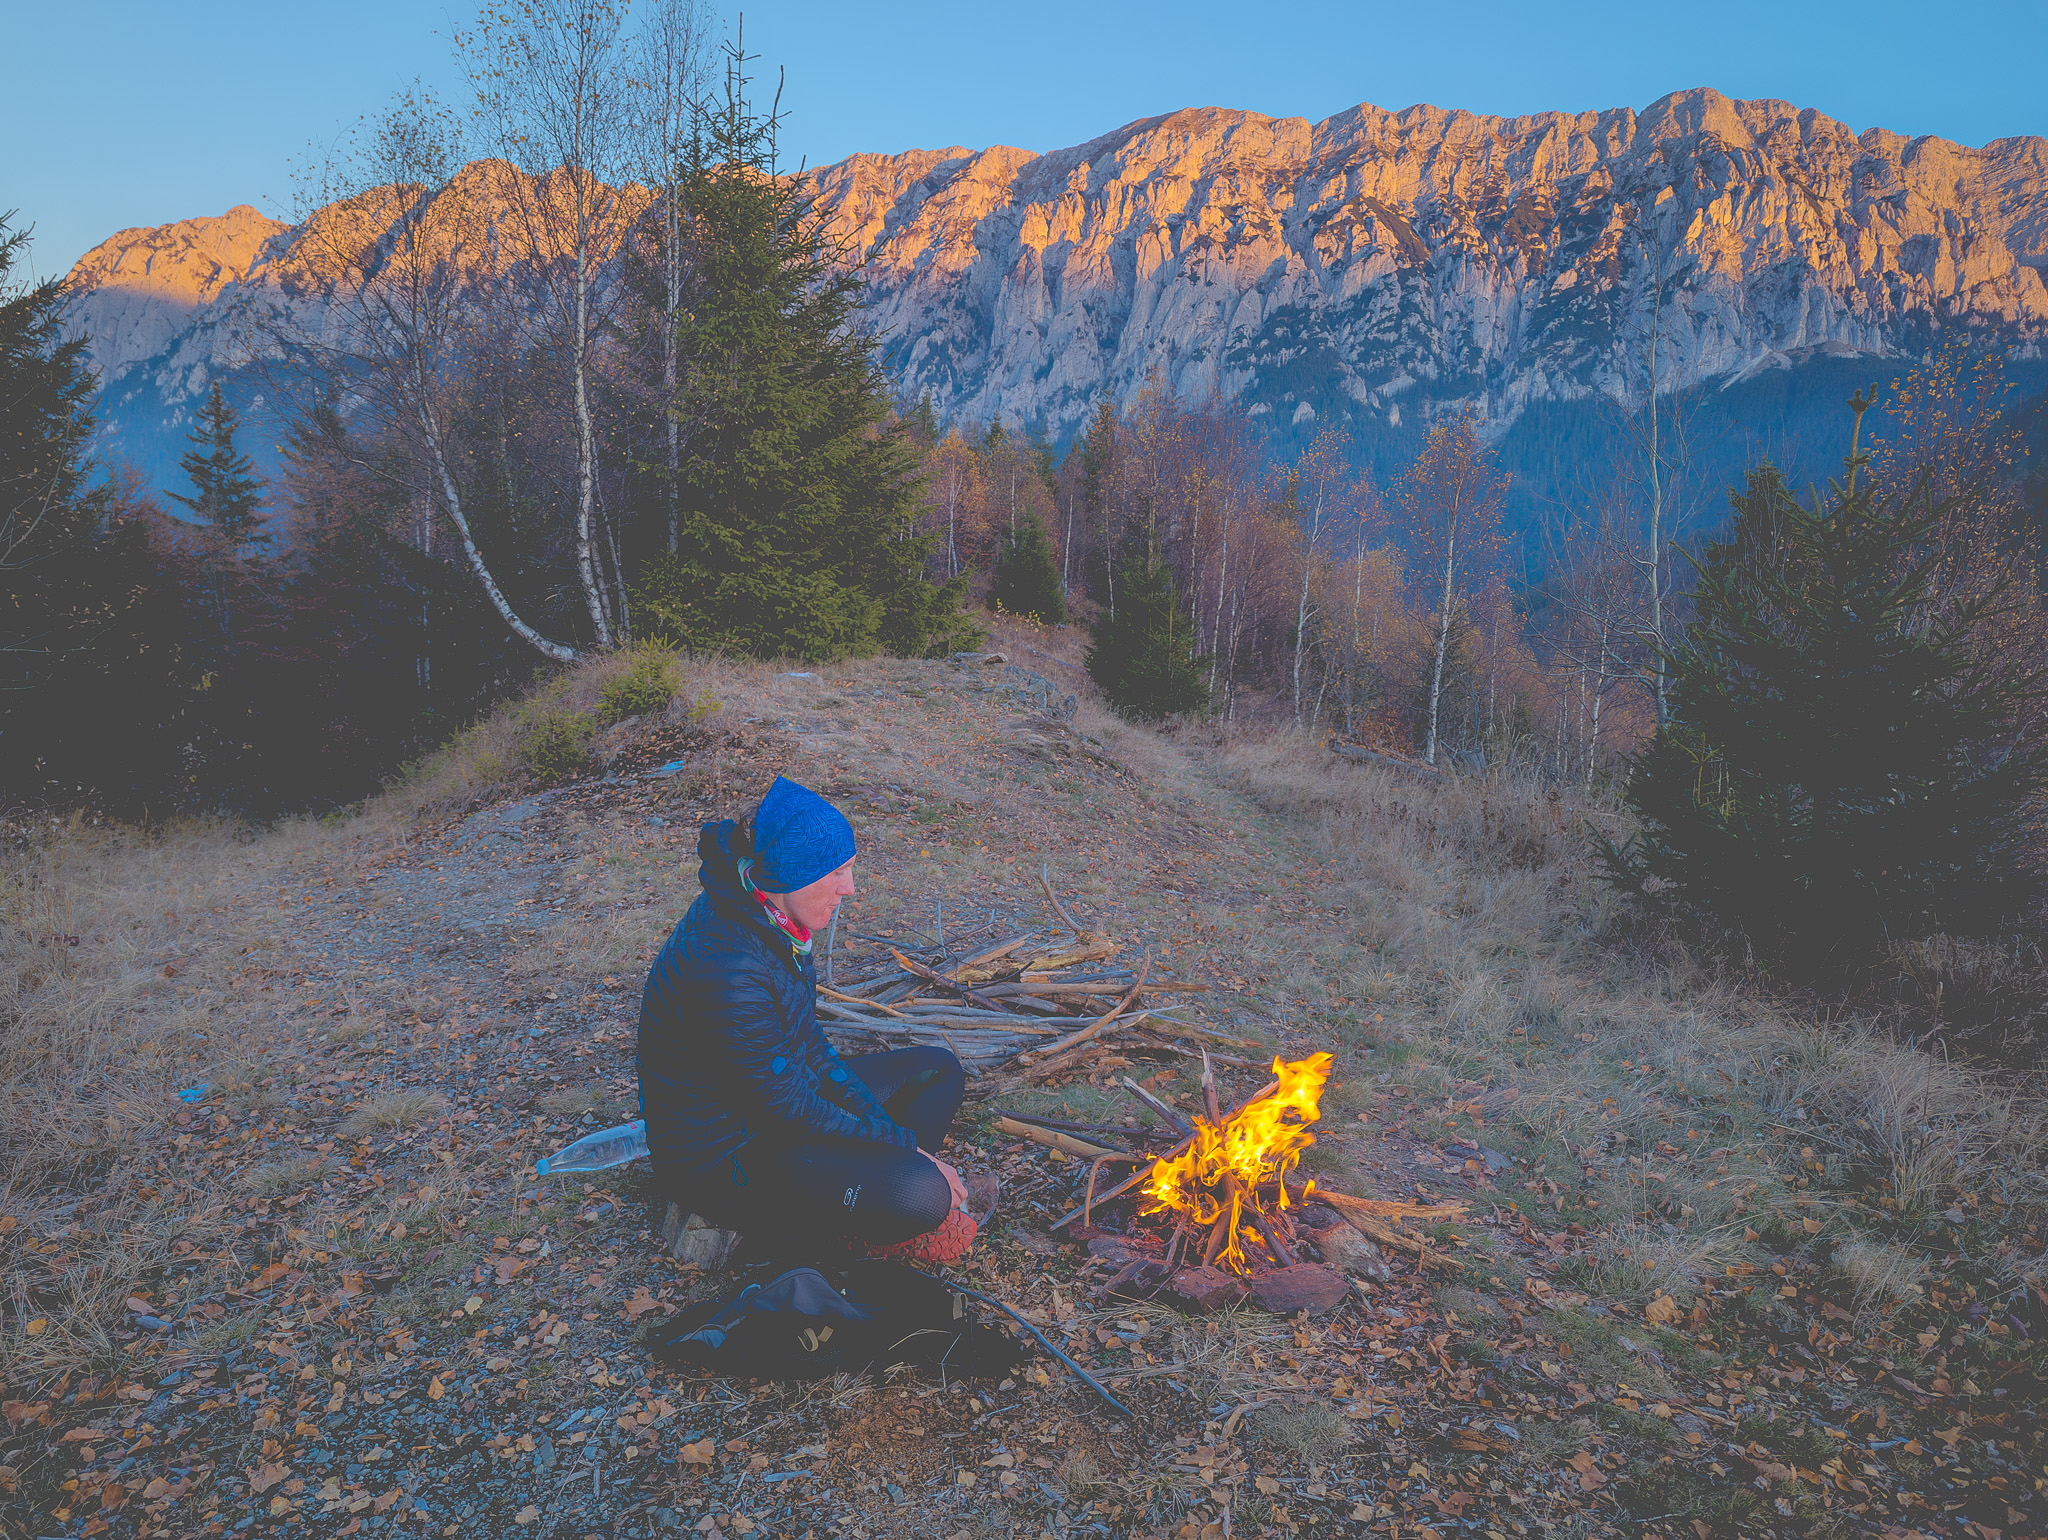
{"x": 1368, "y": 269}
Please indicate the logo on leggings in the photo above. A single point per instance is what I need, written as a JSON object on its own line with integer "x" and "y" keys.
{"x": 852, "y": 1196}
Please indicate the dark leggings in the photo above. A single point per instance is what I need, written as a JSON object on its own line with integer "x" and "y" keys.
{"x": 830, "y": 1186}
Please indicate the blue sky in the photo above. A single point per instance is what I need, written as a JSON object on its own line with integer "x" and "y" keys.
{"x": 119, "y": 114}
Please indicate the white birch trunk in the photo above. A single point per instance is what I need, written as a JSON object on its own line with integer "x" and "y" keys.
{"x": 556, "y": 650}
{"x": 586, "y": 451}
{"x": 1443, "y": 638}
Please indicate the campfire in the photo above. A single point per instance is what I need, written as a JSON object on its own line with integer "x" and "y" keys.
{"x": 1229, "y": 1185}
{"x": 1220, "y": 1216}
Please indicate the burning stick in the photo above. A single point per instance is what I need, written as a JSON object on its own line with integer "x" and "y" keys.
{"x": 1218, "y": 1232}
{"x": 1281, "y": 1252}
{"x": 1179, "y": 1149}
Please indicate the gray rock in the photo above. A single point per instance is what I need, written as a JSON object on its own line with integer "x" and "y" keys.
{"x": 1026, "y": 687}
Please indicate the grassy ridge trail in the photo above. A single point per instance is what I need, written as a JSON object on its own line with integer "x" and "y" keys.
{"x": 355, "y": 1308}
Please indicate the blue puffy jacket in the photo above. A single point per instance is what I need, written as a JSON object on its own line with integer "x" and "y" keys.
{"x": 730, "y": 1051}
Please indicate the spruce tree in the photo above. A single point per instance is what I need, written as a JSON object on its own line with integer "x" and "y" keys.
{"x": 1141, "y": 657}
{"x": 47, "y": 505}
{"x": 1841, "y": 768}
{"x": 797, "y": 533}
{"x": 1026, "y": 581}
{"x": 227, "y": 494}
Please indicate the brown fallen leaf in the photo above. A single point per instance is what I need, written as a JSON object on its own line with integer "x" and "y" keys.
{"x": 641, "y": 1303}
{"x": 435, "y": 1389}
{"x": 700, "y": 1453}
{"x": 1662, "y": 1311}
{"x": 266, "y": 1476}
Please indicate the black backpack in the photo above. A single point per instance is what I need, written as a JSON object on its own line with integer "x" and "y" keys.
{"x": 797, "y": 1326}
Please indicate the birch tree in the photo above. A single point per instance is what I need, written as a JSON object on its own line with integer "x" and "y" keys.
{"x": 670, "y": 69}
{"x": 555, "y": 98}
{"x": 1317, "y": 483}
{"x": 1451, "y": 502}
{"x": 391, "y": 231}
{"x": 1658, "y": 425}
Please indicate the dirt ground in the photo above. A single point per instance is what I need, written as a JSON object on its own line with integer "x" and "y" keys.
{"x": 426, "y": 1338}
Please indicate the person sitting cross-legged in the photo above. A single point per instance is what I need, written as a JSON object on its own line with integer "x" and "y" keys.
{"x": 754, "y": 1121}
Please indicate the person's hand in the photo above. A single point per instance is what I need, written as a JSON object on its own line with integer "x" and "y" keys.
{"x": 952, "y": 1179}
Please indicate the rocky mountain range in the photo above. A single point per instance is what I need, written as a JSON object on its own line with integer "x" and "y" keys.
{"x": 1368, "y": 269}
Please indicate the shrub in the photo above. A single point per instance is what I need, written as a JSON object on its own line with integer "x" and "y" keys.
{"x": 1140, "y": 654}
{"x": 1026, "y": 581}
{"x": 649, "y": 682}
{"x": 558, "y": 742}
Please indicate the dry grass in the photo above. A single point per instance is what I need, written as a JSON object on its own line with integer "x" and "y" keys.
{"x": 393, "y": 1111}
{"x": 286, "y": 1176}
{"x": 488, "y": 759}
{"x": 137, "y": 964}
{"x": 1880, "y": 1274}
{"x": 1692, "y": 1110}
{"x": 130, "y": 969}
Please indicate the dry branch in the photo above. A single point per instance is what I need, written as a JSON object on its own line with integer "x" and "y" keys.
{"x": 1064, "y": 1141}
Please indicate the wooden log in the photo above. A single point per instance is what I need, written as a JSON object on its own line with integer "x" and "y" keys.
{"x": 1045, "y": 881}
{"x": 1300, "y": 1286}
{"x": 1173, "y": 1117}
{"x": 1375, "y": 1208}
{"x": 864, "y": 1004}
{"x": 1046, "y": 1069}
{"x": 1125, "y": 1129}
{"x": 1353, "y": 751}
{"x": 1083, "y": 987}
{"x": 695, "y": 1241}
{"x": 1369, "y": 1217}
{"x": 1086, "y": 947}
{"x": 1200, "y": 1034}
{"x": 982, "y": 959}
{"x": 933, "y": 976}
{"x": 1095, "y": 1027}
{"x": 1188, "y": 1053}
{"x": 1059, "y": 1140}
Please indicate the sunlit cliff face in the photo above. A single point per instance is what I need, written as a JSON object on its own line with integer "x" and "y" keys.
{"x": 1355, "y": 267}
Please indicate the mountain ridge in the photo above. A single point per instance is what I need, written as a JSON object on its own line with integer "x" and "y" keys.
{"x": 1343, "y": 270}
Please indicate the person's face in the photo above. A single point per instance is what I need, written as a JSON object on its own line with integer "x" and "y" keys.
{"x": 811, "y": 907}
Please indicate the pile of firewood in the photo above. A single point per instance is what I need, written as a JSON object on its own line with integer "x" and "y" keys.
{"x": 1050, "y": 1000}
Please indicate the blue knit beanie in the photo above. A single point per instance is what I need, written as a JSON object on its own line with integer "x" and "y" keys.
{"x": 798, "y": 838}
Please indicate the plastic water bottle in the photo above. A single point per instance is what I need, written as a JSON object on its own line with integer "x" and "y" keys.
{"x": 594, "y": 1152}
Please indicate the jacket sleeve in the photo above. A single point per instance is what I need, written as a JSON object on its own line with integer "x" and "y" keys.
{"x": 768, "y": 1068}
{"x": 840, "y": 1084}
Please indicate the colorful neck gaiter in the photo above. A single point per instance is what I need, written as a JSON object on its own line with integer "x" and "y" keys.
{"x": 799, "y": 936}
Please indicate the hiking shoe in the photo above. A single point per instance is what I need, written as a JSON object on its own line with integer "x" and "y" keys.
{"x": 983, "y": 1189}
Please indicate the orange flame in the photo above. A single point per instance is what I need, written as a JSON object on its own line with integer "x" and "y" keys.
{"x": 1257, "y": 1146}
